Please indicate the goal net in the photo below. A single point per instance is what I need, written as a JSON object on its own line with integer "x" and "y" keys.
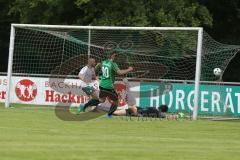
{"x": 223, "y": 96}
{"x": 165, "y": 56}
{"x": 154, "y": 54}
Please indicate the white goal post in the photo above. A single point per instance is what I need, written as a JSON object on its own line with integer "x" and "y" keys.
{"x": 199, "y": 31}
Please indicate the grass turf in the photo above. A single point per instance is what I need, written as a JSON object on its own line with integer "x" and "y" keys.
{"x": 28, "y": 133}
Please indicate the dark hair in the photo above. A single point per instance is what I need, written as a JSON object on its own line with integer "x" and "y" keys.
{"x": 110, "y": 52}
{"x": 163, "y": 108}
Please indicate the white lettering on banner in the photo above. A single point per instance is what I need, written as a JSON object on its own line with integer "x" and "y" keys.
{"x": 228, "y": 101}
{"x": 190, "y": 99}
{"x": 61, "y": 84}
{"x": 52, "y": 96}
{"x": 154, "y": 98}
{"x": 180, "y": 95}
{"x": 238, "y": 101}
{"x": 216, "y": 101}
{"x": 3, "y": 82}
{"x": 170, "y": 99}
{"x": 203, "y": 101}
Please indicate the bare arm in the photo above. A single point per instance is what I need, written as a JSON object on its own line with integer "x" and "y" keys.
{"x": 81, "y": 74}
{"x": 98, "y": 68}
{"x": 124, "y": 71}
{"x": 81, "y": 77}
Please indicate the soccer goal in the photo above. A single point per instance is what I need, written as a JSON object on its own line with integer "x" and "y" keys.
{"x": 183, "y": 57}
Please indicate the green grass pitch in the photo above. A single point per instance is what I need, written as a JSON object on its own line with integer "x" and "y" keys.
{"x": 35, "y": 133}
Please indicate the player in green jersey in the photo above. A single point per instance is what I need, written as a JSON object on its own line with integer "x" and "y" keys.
{"x": 109, "y": 70}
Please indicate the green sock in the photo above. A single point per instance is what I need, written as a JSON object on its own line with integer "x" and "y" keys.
{"x": 80, "y": 108}
{"x": 91, "y": 102}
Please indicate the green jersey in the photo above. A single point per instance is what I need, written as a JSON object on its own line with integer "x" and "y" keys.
{"x": 109, "y": 69}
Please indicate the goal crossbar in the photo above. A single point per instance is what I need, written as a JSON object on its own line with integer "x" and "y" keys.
{"x": 104, "y": 27}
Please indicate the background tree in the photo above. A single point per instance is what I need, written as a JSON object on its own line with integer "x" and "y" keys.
{"x": 99, "y": 12}
{"x": 226, "y": 20}
{"x": 5, "y": 20}
{"x": 220, "y": 18}
{"x": 112, "y": 12}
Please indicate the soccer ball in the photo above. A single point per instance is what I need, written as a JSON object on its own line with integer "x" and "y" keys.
{"x": 217, "y": 71}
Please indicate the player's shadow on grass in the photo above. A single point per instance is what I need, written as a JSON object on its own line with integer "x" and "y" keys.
{"x": 64, "y": 113}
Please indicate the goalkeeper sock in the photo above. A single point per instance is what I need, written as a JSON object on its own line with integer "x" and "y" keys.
{"x": 112, "y": 109}
{"x": 91, "y": 102}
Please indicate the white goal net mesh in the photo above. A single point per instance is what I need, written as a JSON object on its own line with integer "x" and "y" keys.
{"x": 153, "y": 54}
